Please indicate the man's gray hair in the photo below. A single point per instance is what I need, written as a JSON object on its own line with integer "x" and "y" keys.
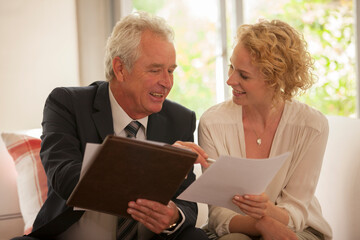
{"x": 125, "y": 39}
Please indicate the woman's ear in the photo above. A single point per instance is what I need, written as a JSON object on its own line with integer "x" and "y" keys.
{"x": 118, "y": 68}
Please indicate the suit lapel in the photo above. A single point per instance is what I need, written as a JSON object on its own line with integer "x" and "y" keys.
{"x": 102, "y": 111}
{"x": 156, "y": 130}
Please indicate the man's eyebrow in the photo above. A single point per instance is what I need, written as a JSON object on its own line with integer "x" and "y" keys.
{"x": 158, "y": 65}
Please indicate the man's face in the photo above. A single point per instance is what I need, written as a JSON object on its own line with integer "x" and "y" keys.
{"x": 150, "y": 80}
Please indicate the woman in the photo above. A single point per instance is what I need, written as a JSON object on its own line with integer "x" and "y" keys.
{"x": 268, "y": 68}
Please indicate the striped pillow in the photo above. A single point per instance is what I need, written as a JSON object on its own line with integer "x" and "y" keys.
{"x": 31, "y": 179}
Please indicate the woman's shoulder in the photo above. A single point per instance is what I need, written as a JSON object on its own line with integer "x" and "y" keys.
{"x": 299, "y": 113}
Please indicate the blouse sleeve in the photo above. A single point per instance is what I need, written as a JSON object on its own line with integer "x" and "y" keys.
{"x": 206, "y": 139}
{"x": 297, "y": 195}
{"x": 219, "y": 218}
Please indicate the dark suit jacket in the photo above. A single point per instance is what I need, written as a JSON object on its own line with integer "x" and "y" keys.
{"x": 78, "y": 115}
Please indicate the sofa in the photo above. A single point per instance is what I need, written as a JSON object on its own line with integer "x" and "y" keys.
{"x": 22, "y": 179}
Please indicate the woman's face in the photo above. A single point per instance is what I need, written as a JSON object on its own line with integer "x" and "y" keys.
{"x": 246, "y": 80}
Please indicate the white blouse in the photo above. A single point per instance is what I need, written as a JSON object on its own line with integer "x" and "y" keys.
{"x": 302, "y": 131}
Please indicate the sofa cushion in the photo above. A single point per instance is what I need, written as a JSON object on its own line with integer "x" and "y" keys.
{"x": 11, "y": 221}
{"x": 31, "y": 178}
{"x": 338, "y": 188}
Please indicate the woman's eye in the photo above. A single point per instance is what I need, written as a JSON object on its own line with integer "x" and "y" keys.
{"x": 231, "y": 69}
{"x": 243, "y": 76}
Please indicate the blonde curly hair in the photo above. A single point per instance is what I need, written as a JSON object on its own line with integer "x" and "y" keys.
{"x": 280, "y": 53}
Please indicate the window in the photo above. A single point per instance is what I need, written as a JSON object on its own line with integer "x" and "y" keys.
{"x": 195, "y": 42}
{"x": 328, "y": 28}
{"x": 204, "y": 40}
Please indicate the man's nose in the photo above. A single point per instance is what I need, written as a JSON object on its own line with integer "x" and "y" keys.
{"x": 166, "y": 79}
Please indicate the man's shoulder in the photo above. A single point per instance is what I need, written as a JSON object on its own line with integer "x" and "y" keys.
{"x": 174, "y": 122}
{"x": 175, "y": 108}
{"x": 81, "y": 89}
{"x": 78, "y": 92}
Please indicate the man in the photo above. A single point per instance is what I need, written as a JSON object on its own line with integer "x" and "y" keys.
{"x": 140, "y": 60}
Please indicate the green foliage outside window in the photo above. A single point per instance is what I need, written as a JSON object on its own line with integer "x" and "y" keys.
{"x": 328, "y": 27}
{"x": 195, "y": 39}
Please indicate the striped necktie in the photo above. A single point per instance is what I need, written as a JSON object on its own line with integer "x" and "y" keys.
{"x": 127, "y": 227}
{"x": 132, "y": 128}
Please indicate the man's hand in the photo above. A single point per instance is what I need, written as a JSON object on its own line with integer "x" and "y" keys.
{"x": 155, "y": 216}
{"x": 202, "y": 156}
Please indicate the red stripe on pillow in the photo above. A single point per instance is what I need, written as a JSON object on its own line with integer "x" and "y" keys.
{"x": 40, "y": 177}
{"x": 28, "y": 231}
{"x": 23, "y": 146}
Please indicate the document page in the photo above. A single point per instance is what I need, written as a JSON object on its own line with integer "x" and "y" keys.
{"x": 90, "y": 151}
{"x": 229, "y": 176}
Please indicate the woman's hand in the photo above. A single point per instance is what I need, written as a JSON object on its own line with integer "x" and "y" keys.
{"x": 202, "y": 156}
{"x": 256, "y": 206}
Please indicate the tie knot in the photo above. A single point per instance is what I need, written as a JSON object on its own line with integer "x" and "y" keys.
{"x": 132, "y": 128}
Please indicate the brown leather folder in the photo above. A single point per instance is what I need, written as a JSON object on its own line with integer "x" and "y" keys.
{"x": 125, "y": 169}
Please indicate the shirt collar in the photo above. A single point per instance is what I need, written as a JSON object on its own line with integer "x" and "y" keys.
{"x": 120, "y": 117}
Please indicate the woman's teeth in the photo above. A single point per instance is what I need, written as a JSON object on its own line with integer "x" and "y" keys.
{"x": 239, "y": 92}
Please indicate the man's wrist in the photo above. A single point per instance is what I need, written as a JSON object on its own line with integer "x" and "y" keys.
{"x": 175, "y": 224}
{"x": 178, "y": 225}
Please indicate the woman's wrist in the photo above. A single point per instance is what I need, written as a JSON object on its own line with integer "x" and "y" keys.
{"x": 243, "y": 224}
{"x": 280, "y": 214}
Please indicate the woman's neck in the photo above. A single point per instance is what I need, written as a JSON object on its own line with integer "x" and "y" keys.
{"x": 263, "y": 115}
{"x": 260, "y": 124}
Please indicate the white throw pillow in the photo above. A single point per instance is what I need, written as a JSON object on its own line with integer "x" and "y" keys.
{"x": 31, "y": 177}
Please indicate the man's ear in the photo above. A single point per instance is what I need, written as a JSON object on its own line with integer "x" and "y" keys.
{"x": 118, "y": 68}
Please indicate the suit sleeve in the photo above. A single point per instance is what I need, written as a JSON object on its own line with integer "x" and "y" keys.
{"x": 189, "y": 209}
{"x": 60, "y": 151}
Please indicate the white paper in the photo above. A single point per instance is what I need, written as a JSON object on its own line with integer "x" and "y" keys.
{"x": 229, "y": 176}
{"x": 90, "y": 152}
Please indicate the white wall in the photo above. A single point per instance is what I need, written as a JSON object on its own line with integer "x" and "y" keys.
{"x": 95, "y": 20}
{"x": 38, "y": 51}
{"x": 45, "y": 44}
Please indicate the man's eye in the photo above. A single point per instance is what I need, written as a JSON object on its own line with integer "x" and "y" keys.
{"x": 154, "y": 70}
